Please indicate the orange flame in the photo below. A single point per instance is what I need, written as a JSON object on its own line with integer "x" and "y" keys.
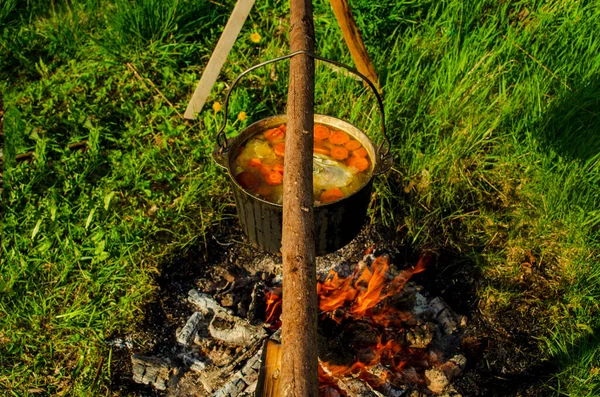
{"x": 360, "y": 296}
{"x": 364, "y": 290}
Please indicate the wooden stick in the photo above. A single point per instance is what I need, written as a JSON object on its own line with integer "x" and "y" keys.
{"x": 342, "y": 12}
{"x": 299, "y": 376}
{"x": 217, "y": 59}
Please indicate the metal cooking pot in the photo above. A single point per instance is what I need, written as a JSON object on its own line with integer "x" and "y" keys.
{"x": 336, "y": 223}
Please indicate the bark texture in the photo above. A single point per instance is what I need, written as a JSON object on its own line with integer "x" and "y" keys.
{"x": 299, "y": 330}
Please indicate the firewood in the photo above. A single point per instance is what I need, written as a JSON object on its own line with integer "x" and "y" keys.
{"x": 437, "y": 380}
{"x": 194, "y": 363}
{"x": 151, "y": 370}
{"x": 270, "y": 370}
{"x": 444, "y": 315}
{"x": 355, "y": 387}
{"x": 245, "y": 377}
{"x": 205, "y": 303}
{"x": 376, "y": 380}
{"x": 234, "y": 330}
{"x": 186, "y": 335}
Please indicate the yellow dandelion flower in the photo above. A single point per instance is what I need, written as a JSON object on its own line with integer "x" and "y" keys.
{"x": 242, "y": 116}
{"x": 255, "y": 37}
{"x": 217, "y": 107}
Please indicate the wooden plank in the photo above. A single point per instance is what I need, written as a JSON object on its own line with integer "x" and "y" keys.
{"x": 354, "y": 41}
{"x": 217, "y": 59}
{"x": 270, "y": 371}
{"x": 299, "y": 377}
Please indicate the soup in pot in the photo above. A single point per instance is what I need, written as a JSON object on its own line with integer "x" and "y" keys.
{"x": 341, "y": 164}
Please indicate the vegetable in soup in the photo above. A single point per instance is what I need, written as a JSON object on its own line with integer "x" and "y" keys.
{"x": 341, "y": 165}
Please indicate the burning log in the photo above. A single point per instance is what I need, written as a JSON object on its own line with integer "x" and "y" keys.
{"x": 375, "y": 377}
{"x": 186, "y": 335}
{"x": 354, "y": 387}
{"x": 234, "y": 330}
{"x": 151, "y": 370}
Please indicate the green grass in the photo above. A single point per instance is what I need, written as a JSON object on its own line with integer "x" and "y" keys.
{"x": 492, "y": 108}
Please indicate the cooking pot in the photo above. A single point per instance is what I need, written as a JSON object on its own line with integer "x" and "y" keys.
{"x": 336, "y": 223}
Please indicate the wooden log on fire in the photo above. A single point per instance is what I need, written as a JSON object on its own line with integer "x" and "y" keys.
{"x": 375, "y": 377}
{"x": 299, "y": 375}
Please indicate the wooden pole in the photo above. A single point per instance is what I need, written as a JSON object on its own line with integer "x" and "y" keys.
{"x": 342, "y": 12}
{"x": 299, "y": 376}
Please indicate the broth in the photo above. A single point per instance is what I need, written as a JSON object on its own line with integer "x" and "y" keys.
{"x": 341, "y": 164}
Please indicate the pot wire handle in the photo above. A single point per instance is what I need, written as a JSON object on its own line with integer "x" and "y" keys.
{"x": 383, "y": 148}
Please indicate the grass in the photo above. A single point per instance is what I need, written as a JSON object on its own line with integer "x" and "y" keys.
{"x": 492, "y": 110}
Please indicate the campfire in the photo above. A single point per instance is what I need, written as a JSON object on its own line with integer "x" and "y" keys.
{"x": 379, "y": 335}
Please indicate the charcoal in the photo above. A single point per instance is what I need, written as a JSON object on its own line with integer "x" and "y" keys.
{"x": 205, "y": 303}
{"x": 186, "y": 335}
{"x": 151, "y": 370}
{"x": 234, "y": 330}
{"x": 444, "y": 315}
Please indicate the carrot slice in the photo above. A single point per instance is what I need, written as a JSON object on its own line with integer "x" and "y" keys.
{"x": 339, "y": 153}
{"x": 321, "y": 132}
{"x": 362, "y": 152}
{"x": 283, "y": 128}
{"x": 338, "y": 137}
{"x": 274, "y": 135}
{"x": 321, "y": 150}
{"x": 278, "y": 168}
{"x": 360, "y": 163}
{"x": 279, "y": 149}
{"x": 255, "y": 163}
{"x": 247, "y": 180}
{"x": 274, "y": 178}
{"x": 265, "y": 169}
{"x": 352, "y": 145}
{"x": 331, "y": 195}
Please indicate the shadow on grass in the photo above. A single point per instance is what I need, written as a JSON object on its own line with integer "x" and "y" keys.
{"x": 572, "y": 125}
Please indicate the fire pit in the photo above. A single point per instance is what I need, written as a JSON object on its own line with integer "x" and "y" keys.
{"x": 379, "y": 334}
